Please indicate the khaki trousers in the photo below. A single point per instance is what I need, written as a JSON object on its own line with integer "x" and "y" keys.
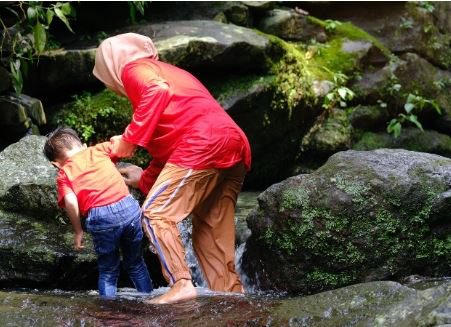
{"x": 210, "y": 197}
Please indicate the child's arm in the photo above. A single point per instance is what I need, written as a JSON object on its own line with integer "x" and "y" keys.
{"x": 72, "y": 210}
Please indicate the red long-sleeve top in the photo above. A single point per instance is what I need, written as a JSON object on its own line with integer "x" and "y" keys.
{"x": 178, "y": 121}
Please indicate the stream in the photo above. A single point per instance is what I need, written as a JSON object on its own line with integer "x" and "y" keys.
{"x": 371, "y": 304}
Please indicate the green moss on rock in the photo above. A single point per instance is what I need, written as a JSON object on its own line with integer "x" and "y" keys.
{"x": 98, "y": 117}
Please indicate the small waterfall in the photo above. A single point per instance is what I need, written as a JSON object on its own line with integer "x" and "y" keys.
{"x": 245, "y": 280}
{"x": 185, "y": 229}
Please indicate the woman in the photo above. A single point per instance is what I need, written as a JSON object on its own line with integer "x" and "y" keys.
{"x": 199, "y": 160}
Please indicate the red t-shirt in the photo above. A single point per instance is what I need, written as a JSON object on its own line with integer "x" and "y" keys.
{"x": 178, "y": 121}
{"x": 93, "y": 177}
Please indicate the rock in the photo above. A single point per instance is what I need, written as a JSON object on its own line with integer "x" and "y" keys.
{"x": 364, "y": 215}
{"x": 207, "y": 45}
{"x": 411, "y": 138}
{"x": 415, "y": 75}
{"x": 321, "y": 88}
{"x": 36, "y": 247}
{"x": 193, "y": 45}
{"x": 61, "y": 72}
{"x": 5, "y": 80}
{"x": 238, "y": 14}
{"x": 248, "y": 101}
{"x": 330, "y": 136}
{"x": 289, "y": 25}
{"x": 401, "y": 26}
{"x": 371, "y": 304}
{"x": 364, "y": 51}
{"x": 19, "y": 115}
{"x": 442, "y": 12}
{"x": 259, "y": 5}
{"x": 369, "y": 118}
{"x": 28, "y": 179}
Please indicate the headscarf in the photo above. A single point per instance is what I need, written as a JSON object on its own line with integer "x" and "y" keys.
{"x": 117, "y": 51}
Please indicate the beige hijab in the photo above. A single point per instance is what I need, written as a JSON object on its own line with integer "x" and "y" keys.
{"x": 117, "y": 51}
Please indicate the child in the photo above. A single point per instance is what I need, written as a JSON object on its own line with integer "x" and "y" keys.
{"x": 89, "y": 185}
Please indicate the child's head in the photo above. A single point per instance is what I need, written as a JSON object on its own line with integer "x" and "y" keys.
{"x": 61, "y": 144}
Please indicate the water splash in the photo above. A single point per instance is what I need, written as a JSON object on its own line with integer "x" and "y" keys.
{"x": 185, "y": 229}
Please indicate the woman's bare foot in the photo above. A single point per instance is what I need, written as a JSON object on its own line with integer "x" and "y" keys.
{"x": 182, "y": 290}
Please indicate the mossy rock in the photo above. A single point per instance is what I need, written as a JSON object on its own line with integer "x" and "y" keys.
{"x": 97, "y": 117}
{"x": 410, "y": 139}
{"x": 364, "y": 215}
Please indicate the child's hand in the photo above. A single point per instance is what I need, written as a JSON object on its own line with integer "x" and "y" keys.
{"x": 78, "y": 241}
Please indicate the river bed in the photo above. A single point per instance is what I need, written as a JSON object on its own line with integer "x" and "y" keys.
{"x": 419, "y": 302}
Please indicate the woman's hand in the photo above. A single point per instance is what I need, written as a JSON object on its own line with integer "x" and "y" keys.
{"x": 121, "y": 148}
{"x": 131, "y": 174}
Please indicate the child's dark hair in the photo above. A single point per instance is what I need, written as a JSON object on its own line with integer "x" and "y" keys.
{"x": 62, "y": 138}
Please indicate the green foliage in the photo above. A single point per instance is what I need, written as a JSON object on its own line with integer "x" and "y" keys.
{"x": 443, "y": 83}
{"x": 339, "y": 94}
{"x": 98, "y": 117}
{"x": 414, "y": 104}
{"x": 29, "y": 35}
{"x": 136, "y": 7}
{"x": 406, "y": 23}
{"x": 427, "y": 5}
{"x": 331, "y": 25}
{"x": 292, "y": 80}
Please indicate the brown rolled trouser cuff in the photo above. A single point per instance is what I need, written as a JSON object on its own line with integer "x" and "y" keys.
{"x": 210, "y": 195}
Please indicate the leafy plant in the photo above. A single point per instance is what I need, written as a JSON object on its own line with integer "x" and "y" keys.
{"x": 135, "y": 7}
{"x": 339, "y": 94}
{"x": 29, "y": 35}
{"x": 406, "y": 23}
{"x": 331, "y": 25}
{"x": 98, "y": 117}
{"x": 427, "y": 5}
{"x": 414, "y": 104}
{"x": 443, "y": 83}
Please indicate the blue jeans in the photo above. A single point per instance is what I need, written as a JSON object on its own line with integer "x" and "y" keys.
{"x": 113, "y": 227}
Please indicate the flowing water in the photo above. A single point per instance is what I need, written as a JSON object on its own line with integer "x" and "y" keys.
{"x": 371, "y": 304}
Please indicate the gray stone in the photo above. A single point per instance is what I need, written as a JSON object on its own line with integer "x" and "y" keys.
{"x": 331, "y": 135}
{"x": 414, "y": 74}
{"x": 23, "y": 104}
{"x": 288, "y": 24}
{"x": 36, "y": 239}
{"x": 27, "y": 183}
{"x": 62, "y": 71}
{"x": 411, "y": 138}
{"x": 5, "y": 80}
{"x": 363, "y": 216}
{"x": 369, "y": 118}
{"x": 207, "y": 45}
{"x": 442, "y": 12}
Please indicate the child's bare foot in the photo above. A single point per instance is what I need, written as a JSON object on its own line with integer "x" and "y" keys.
{"x": 182, "y": 290}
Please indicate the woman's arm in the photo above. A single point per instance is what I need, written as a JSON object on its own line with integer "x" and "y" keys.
{"x": 150, "y": 96}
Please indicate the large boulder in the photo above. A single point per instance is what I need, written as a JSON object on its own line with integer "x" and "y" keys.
{"x": 206, "y": 46}
{"x": 20, "y": 114}
{"x": 418, "y": 27}
{"x": 36, "y": 247}
{"x": 411, "y": 139}
{"x": 363, "y": 216}
{"x": 413, "y": 75}
{"x": 200, "y": 46}
{"x": 290, "y": 25}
